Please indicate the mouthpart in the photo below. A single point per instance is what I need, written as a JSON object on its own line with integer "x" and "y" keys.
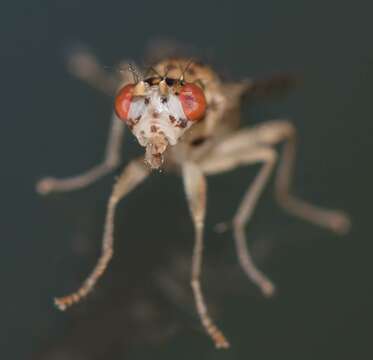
{"x": 155, "y": 147}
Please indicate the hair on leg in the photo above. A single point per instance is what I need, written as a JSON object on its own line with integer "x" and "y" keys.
{"x": 132, "y": 175}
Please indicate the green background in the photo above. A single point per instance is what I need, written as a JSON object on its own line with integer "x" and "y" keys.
{"x": 52, "y": 124}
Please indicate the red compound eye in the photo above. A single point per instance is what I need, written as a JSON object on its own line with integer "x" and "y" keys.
{"x": 123, "y": 101}
{"x": 193, "y": 101}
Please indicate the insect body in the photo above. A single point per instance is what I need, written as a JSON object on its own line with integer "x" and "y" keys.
{"x": 188, "y": 121}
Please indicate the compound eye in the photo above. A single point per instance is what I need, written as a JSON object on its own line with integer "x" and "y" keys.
{"x": 193, "y": 101}
{"x": 123, "y": 101}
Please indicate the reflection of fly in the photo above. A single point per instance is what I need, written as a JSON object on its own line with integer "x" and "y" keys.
{"x": 188, "y": 119}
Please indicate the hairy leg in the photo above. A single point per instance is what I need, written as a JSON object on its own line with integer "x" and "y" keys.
{"x": 132, "y": 175}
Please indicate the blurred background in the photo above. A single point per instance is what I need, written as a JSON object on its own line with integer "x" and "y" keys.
{"x": 53, "y": 124}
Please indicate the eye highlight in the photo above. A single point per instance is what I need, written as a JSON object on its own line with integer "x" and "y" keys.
{"x": 123, "y": 100}
{"x": 193, "y": 101}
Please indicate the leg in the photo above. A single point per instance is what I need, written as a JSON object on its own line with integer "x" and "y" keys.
{"x": 243, "y": 215}
{"x": 133, "y": 174}
{"x": 230, "y": 160}
{"x": 336, "y": 221}
{"x": 195, "y": 188}
{"x": 272, "y": 133}
{"x": 84, "y": 65}
{"x": 111, "y": 161}
{"x": 245, "y": 147}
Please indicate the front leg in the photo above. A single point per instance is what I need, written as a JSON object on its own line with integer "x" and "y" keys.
{"x": 132, "y": 175}
{"x": 195, "y": 188}
{"x": 111, "y": 161}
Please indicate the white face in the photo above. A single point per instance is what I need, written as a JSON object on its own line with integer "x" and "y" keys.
{"x": 154, "y": 114}
{"x": 158, "y": 114}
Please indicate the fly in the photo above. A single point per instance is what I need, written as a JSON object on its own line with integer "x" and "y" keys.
{"x": 187, "y": 119}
